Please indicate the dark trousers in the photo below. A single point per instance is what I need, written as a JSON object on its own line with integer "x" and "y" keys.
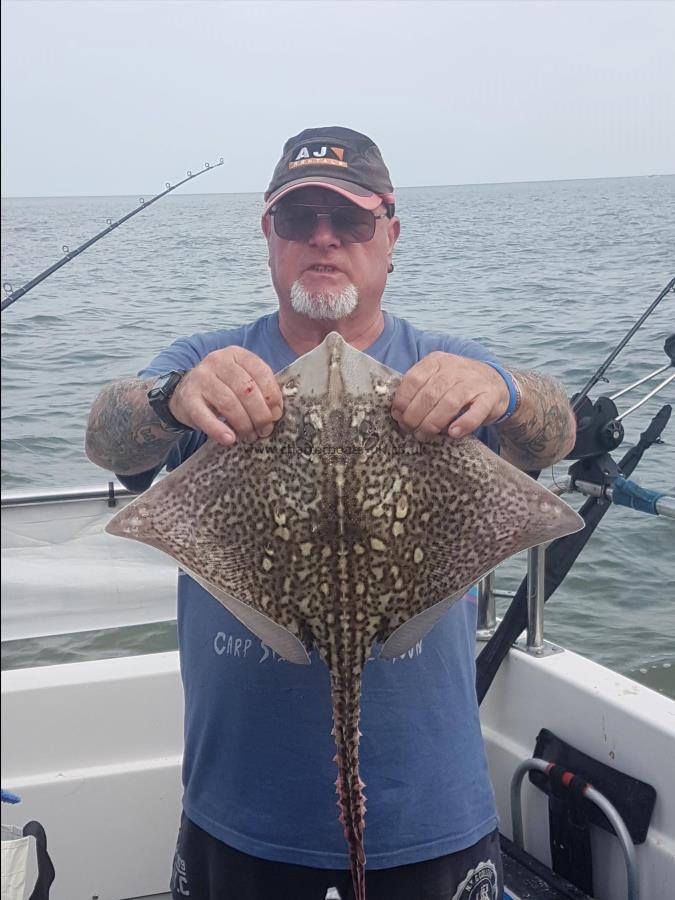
{"x": 206, "y": 869}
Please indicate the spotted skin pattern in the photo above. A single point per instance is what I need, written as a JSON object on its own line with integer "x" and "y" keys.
{"x": 340, "y": 528}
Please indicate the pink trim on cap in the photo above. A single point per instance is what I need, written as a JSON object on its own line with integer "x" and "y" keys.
{"x": 372, "y": 201}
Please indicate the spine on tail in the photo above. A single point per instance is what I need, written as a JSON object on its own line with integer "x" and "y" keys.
{"x": 346, "y": 693}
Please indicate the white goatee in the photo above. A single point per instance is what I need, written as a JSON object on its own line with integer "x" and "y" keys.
{"x": 324, "y": 304}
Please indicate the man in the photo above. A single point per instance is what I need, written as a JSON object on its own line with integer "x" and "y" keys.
{"x": 259, "y": 805}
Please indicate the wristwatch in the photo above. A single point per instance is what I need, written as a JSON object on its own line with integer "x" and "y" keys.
{"x": 160, "y": 394}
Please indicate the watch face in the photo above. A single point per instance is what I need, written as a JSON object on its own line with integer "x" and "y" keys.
{"x": 165, "y": 385}
{"x": 159, "y": 396}
{"x": 165, "y": 382}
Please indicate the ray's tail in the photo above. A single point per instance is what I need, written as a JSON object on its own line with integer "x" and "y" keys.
{"x": 346, "y": 694}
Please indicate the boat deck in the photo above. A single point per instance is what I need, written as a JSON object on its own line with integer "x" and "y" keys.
{"x": 528, "y": 879}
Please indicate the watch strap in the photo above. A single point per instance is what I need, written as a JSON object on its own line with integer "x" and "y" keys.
{"x": 159, "y": 396}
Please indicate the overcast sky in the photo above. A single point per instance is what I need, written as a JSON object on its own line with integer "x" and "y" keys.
{"x": 119, "y": 96}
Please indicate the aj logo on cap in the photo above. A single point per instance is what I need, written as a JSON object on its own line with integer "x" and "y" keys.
{"x": 318, "y": 154}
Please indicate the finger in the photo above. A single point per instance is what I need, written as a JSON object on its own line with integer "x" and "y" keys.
{"x": 244, "y": 406}
{"x": 426, "y": 403}
{"x": 203, "y": 396}
{"x": 412, "y": 382}
{"x": 263, "y": 375}
{"x": 475, "y": 415}
{"x": 224, "y": 402}
{"x": 252, "y": 397}
{"x": 205, "y": 420}
{"x": 448, "y": 407}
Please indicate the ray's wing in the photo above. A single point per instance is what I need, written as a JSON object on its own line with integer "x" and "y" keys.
{"x": 432, "y": 519}
{"x": 240, "y": 521}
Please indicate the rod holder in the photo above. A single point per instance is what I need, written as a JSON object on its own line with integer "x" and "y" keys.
{"x": 536, "y": 562}
{"x": 487, "y": 612}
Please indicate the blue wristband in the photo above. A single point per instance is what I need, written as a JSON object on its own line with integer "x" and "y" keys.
{"x": 514, "y": 392}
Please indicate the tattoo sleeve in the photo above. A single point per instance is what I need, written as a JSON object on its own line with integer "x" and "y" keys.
{"x": 123, "y": 433}
{"x": 543, "y": 430}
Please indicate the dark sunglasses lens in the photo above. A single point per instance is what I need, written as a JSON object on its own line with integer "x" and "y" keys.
{"x": 354, "y": 225}
{"x": 294, "y": 222}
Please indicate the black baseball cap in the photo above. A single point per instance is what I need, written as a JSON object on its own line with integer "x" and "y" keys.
{"x": 335, "y": 158}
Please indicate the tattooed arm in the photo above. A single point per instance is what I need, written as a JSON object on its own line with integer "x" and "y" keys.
{"x": 230, "y": 395}
{"x": 123, "y": 433}
{"x": 543, "y": 429}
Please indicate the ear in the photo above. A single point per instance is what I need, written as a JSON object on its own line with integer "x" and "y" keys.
{"x": 266, "y": 225}
{"x": 393, "y": 232}
{"x": 392, "y": 236}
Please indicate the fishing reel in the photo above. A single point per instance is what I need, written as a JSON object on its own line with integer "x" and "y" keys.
{"x": 599, "y": 424}
{"x": 669, "y": 348}
{"x": 598, "y": 428}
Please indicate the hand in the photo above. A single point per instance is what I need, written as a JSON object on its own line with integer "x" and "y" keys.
{"x": 444, "y": 391}
{"x": 231, "y": 384}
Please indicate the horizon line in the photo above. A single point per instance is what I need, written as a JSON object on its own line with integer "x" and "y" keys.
{"x": 400, "y": 188}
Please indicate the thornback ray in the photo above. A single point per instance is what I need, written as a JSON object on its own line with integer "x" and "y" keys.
{"x": 340, "y": 532}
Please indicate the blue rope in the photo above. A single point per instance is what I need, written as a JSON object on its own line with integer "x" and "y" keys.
{"x": 628, "y": 493}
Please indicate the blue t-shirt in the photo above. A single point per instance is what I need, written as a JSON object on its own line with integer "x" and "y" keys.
{"x": 258, "y": 768}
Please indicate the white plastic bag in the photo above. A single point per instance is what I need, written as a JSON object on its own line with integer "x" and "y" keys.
{"x": 14, "y": 859}
{"x": 15, "y": 851}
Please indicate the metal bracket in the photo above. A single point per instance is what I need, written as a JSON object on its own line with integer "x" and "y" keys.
{"x": 541, "y": 652}
{"x": 591, "y": 794}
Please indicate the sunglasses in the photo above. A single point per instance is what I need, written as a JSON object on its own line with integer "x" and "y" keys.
{"x": 298, "y": 222}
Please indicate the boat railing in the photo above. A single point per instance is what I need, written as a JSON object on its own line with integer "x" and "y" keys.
{"x": 111, "y": 493}
{"x": 488, "y": 596}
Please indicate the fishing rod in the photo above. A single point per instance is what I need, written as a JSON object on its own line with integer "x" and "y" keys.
{"x": 71, "y": 254}
{"x": 578, "y": 399}
{"x": 669, "y": 348}
{"x": 599, "y": 424}
{"x": 599, "y": 430}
